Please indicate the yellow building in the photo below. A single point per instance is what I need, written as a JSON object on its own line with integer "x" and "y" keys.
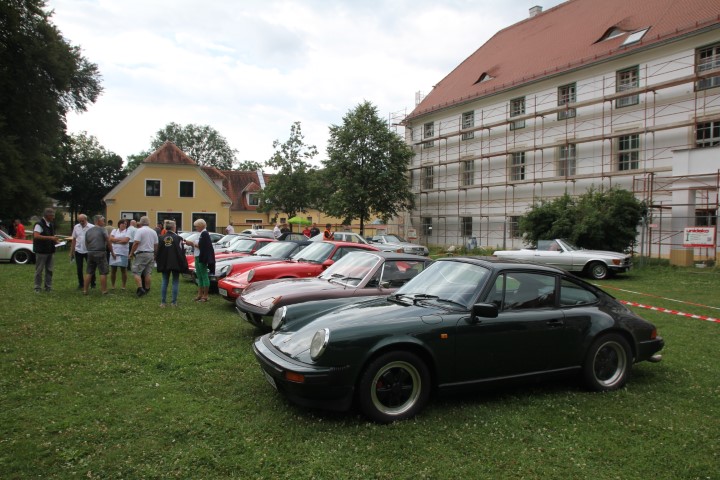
{"x": 170, "y": 185}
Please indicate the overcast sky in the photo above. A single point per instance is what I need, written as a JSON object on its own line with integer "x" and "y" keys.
{"x": 250, "y": 68}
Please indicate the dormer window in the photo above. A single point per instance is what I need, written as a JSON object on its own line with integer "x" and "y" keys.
{"x": 253, "y": 199}
{"x": 485, "y": 77}
{"x": 635, "y": 37}
{"x": 612, "y": 32}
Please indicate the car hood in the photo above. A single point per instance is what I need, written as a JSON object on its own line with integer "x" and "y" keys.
{"x": 263, "y": 293}
{"x": 376, "y": 316}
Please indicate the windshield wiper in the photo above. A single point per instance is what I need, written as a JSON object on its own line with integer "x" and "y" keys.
{"x": 445, "y": 300}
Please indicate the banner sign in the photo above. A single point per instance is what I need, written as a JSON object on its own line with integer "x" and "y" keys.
{"x": 703, "y": 237}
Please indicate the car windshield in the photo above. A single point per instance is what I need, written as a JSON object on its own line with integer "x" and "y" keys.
{"x": 317, "y": 252}
{"x": 568, "y": 246}
{"x": 351, "y": 269}
{"x": 276, "y": 249}
{"x": 243, "y": 245}
{"x": 451, "y": 281}
{"x": 395, "y": 239}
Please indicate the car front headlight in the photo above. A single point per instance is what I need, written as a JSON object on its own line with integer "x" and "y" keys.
{"x": 278, "y": 317}
{"x": 250, "y": 275}
{"x": 319, "y": 343}
{"x": 224, "y": 270}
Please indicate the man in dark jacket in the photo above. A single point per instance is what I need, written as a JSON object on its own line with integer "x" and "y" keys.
{"x": 44, "y": 241}
{"x": 170, "y": 259}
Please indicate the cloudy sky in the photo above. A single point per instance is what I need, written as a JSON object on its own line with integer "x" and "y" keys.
{"x": 250, "y": 68}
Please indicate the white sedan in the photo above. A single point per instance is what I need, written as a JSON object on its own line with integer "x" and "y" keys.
{"x": 14, "y": 250}
{"x": 597, "y": 264}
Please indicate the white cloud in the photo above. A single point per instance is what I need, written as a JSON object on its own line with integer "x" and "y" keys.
{"x": 250, "y": 69}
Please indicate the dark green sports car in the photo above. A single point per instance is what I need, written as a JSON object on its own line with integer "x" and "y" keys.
{"x": 460, "y": 324}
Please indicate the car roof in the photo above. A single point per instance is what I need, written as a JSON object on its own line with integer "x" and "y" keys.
{"x": 498, "y": 263}
{"x": 395, "y": 256}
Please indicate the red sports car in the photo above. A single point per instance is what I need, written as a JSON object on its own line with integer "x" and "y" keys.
{"x": 310, "y": 262}
{"x": 241, "y": 248}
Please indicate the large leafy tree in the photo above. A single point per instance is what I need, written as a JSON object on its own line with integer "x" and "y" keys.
{"x": 597, "y": 219}
{"x": 202, "y": 143}
{"x": 290, "y": 189}
{"x": 365, "y": 173}
{"x": 90, "y": 172}
{"x": 42, "y": 78}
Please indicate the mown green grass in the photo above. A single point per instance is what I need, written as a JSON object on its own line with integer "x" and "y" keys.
{"x": 116, "y": 387}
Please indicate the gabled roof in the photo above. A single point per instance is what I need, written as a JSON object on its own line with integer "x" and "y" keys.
{"x": 239, "y": 183}
{"x": 169, "y": 153}
{"x": 563, "y": 38}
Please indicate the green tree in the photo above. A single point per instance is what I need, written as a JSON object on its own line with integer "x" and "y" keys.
{"x": 90, "y": 172}
{"x": 597, "y": 219}
{"x": 202, "y": 143}
{"x": 42, "y": 78}
{"x": 290, "y": 189}
{"x": 248, "y": 166}
{"x": 366, "y": 169}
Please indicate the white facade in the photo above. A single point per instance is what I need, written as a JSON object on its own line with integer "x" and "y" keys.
{"x": 631, "y": 121}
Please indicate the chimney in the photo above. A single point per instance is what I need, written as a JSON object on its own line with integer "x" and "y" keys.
{"x": 536, "y": 10}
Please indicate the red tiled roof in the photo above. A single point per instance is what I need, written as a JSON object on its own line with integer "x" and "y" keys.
{"x": 239, "y": 183}
{"x": 563, "y": 38}
{"x": 169, "y": 153}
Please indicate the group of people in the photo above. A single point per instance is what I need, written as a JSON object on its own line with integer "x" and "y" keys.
{"x": 97, "y": 247}
{"x": 308, "y": 231}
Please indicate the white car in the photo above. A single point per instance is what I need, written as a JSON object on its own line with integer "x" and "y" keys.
{"x": 399, "y": 243}
{"x": 351, "y": 237}
{"x": 14, "y": 250}
{"x": 597, "y": 264}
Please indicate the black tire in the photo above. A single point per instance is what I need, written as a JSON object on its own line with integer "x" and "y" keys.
{"x": 21, "y": 257}
{"x": 608, "y": 363}
{"x": 394, "y": 386}
{"x": 598, "y": 271}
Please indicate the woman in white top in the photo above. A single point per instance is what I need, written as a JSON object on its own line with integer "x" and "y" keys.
{"x": 120, "y": 239}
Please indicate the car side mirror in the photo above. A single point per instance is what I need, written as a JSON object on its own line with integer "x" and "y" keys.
{"x": 327, "y": 263}
{"x": 484, "y": 310}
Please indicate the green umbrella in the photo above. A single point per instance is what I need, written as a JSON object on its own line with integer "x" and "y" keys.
{"x": 299, "y": 221}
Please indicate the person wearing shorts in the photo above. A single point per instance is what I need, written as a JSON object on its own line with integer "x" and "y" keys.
{"x": 143, "y": 254}
{"x": 97, "y": 243}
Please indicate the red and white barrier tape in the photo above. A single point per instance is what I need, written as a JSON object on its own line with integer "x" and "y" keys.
{"x": 673, "y": 312}
{"x": 657, "y": 296}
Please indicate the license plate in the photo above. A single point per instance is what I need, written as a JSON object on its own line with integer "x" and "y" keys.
{"x": 222, "y": 292}
{"x": 270, "y": 379}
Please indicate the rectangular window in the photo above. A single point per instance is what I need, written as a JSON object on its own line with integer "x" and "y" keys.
{"x": 517, "y": 108}
{"x": 466, "y": 227}
{"x": 468, "y": 121}
{"x": 708, "y": 59}
{"x": 566, "y": 160}
{"x": 566, "y": 95}
{"x": 428, "y": 180}
{"x": 429, "y": 132}
{"x": 152, "y": 188}
{"x": 628, "y": 154}
{"x": 707, "y": 134}
{"x": 468, "y": 173}
{"x": 427, "y": 226}
{"x": 705, "y": 218}
{"x": 187, "y": 189}
{"x": 253, "y": 199}
{"x": 517, "y": 166}
{"x": 174, "y": 216}
{"x": 210, "y": 220}
{"x": 513, "y": 227}
{"x": 627, "y": 79}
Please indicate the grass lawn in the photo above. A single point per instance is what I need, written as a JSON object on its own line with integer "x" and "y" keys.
{"x": 116, "y": 387}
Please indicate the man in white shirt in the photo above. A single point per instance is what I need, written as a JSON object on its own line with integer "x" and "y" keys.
{"x": 77, "y": 249}
{"x": 229, "y": 229}
{"x": 143, "y": 253}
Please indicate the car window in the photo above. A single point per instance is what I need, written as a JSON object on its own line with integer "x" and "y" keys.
{"x": 396, "y": 273}
{"x": 523, "y": 290}
{"x": 454, "y": 281}
{"x": 341, "y": 252}
{"x": 572, "y": 294}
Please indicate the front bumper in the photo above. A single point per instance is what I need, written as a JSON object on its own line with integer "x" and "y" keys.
{"x": 323, "y": 387}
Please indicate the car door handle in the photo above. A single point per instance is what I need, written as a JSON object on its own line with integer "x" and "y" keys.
{"x": 555, "y": 323}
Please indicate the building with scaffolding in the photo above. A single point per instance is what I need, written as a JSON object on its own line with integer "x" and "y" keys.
{"x": 614, "y": 93}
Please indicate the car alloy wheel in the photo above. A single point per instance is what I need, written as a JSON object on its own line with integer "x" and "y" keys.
{"x": 608, "y": 363}
{"x": 395, "y": 386}
{"x": 21, "y": 257}
{"x": 598, "y": 270}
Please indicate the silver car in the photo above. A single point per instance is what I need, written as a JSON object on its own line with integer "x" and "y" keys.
{"x": 597, "y": 264}
{"x": 399, "y": 242}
